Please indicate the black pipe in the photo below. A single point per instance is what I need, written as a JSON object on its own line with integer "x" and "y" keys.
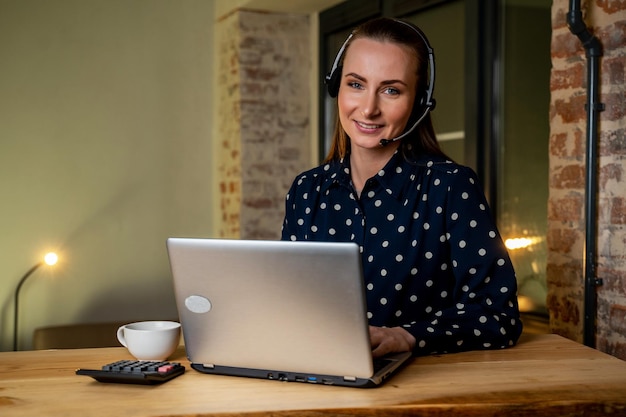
{"x": 593, "y": 51}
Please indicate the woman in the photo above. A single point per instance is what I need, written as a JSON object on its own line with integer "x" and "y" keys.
{"x": 437, "y": 275}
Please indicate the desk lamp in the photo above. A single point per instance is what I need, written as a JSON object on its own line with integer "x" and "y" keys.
{"x": 50, "y": 259}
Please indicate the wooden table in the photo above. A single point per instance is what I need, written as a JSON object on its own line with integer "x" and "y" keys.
{"x": 545, "y": 375}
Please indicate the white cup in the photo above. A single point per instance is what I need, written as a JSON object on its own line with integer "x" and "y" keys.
{"x": 150, "y": 340}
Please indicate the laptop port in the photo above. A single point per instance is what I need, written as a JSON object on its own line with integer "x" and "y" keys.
{"x": 300, "y": 378}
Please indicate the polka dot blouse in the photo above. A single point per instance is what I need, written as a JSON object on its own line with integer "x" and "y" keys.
{"x": 433, "y": 259}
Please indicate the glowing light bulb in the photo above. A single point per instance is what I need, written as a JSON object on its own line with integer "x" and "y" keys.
{"x": 51, "y": 258}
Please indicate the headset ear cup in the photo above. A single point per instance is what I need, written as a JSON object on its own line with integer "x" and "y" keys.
{"x": 433, "y": 104}
{"x": 424, "y": 103}
{"x": 332, "y": 82}
{"x": 422, "y": 108}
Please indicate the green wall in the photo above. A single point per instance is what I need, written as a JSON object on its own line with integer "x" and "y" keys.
{"x": 105, "y": 136}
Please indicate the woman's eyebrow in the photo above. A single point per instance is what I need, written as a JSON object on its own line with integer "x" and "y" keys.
{"x": 386, "y": 82}
{"x": 354, "y": 75}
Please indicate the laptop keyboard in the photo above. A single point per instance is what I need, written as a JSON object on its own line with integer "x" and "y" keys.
{"x": 380, "y": 363}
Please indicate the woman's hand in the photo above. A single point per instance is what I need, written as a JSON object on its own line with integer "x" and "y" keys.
{"x": 390, "y": 339}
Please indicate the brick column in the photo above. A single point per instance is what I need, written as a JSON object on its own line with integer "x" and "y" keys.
{"x": 263, "y": 121}
{"x": 566, "y": 224}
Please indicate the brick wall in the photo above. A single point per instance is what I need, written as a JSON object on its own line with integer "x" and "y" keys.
{"x": 263, "y": 122}
{"x": 566, "y": 224}
{"x": 227, "y": 149}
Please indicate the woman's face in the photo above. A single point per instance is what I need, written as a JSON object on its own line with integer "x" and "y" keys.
{"x": 377, "y": 91}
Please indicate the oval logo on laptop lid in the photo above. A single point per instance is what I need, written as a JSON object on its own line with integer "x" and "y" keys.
{"x": 198, "y": 304}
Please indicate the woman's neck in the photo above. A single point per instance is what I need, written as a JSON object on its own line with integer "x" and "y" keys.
{"x": 365, "y": 163}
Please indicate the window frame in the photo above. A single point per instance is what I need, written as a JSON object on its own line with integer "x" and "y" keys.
{"x": 481, "y": 56}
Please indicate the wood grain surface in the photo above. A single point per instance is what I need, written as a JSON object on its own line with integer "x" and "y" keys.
{"x": 545, "y": 375}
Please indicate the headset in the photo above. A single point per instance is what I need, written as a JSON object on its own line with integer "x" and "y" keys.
{"x": 426, "y": 102}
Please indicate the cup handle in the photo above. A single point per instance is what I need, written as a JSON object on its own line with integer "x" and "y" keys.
{"x": 120, "y": 336}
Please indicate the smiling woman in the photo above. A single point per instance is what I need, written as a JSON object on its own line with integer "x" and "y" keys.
{"x": 376, "y": 94}
{"x": 437, "y": 274}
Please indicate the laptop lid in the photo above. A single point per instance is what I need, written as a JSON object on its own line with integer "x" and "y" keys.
{"x": 292, "y": 311}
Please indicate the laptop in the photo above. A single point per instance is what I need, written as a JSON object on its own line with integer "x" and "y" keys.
{"x": 287, "y": 311}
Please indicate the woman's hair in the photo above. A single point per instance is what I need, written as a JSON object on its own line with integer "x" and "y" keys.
{"x": 421, "y": 141}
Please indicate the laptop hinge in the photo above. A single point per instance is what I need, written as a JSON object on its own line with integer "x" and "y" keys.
{"x": 349, "y": 378}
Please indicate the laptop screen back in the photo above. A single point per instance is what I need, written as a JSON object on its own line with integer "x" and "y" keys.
{"x": 292, "y": 306}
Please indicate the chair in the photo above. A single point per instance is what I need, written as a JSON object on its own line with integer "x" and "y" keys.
{"x": 75, "y": 336}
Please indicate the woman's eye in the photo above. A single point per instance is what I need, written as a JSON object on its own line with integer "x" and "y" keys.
{"x": 391, "y": 91}
{"x": 354, "y": 84}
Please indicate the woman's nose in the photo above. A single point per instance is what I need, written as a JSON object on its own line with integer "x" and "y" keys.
{"x": 369, "y": 106}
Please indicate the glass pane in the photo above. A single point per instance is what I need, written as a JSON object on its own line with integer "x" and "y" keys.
{"x": 444, "y": 26}
{"x": 523, "y": 171}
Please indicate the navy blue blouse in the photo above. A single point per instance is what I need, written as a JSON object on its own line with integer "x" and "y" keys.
{"x": 433, "y": 259}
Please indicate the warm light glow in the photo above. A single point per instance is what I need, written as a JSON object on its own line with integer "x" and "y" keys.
{"x": 525, "y": 303}
{"x": 520, "y": 242}
{"x": 51, "y": 258}
{"x": 517, "y": 243}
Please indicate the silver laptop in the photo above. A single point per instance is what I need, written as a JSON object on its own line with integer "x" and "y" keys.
{"x": 289, "y": 311}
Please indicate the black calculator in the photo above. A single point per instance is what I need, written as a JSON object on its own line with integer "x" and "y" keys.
{"x": 135, "y": 372}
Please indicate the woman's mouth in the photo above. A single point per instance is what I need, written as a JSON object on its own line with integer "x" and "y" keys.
{"x": 367, "y": 127}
